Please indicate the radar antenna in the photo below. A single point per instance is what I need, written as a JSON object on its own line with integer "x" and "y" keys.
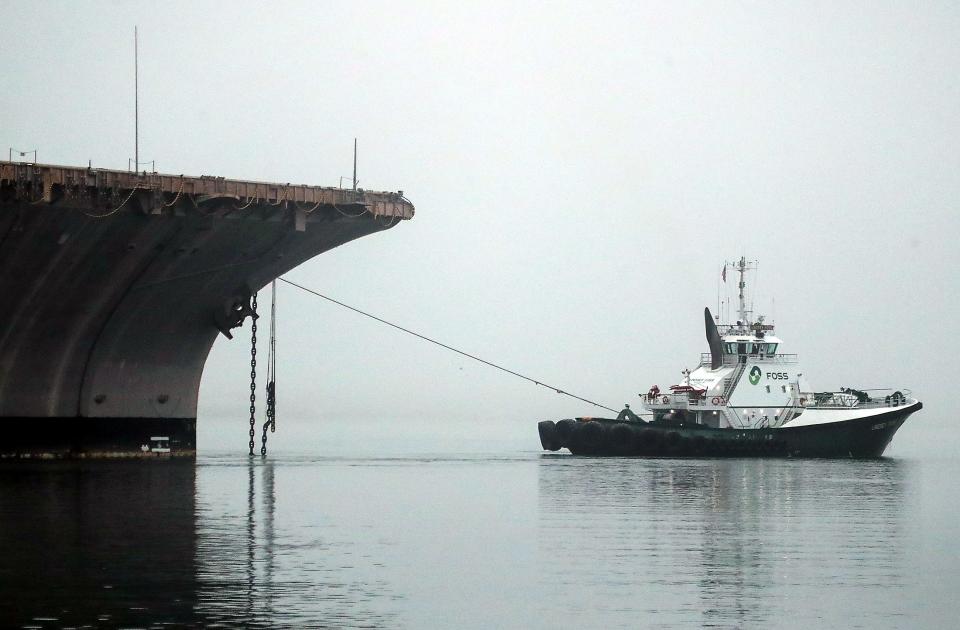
{"x": 742, "y": 266}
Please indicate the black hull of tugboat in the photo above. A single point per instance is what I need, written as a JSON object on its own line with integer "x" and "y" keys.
{"x": 859, "y": 438}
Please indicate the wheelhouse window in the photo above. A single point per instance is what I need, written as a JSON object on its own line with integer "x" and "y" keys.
{"x": 771, "y": 349}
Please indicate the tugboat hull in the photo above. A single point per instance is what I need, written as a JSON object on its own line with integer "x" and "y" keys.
{"x": 865, "y": 437}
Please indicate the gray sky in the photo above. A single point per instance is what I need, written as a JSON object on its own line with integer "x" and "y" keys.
{"x": 580, "y": 172}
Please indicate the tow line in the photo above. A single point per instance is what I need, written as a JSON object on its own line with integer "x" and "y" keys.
{"x": 445, "y": 346}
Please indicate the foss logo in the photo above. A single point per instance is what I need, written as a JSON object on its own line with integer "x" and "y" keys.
{"x": 756, "y": 373}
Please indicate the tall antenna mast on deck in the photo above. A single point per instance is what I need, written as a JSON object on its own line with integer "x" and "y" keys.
{"x": 136, "y": 102}
{"x": 742, "y": 266}
{"x": 354, "y": 163}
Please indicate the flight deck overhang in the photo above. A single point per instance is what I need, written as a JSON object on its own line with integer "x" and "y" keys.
{"x": 114, "y": 286}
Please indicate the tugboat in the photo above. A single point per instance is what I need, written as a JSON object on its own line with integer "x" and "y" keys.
{"x": 744, "y": 399}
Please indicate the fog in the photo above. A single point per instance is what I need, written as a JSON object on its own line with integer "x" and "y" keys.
{"x": 580, "y": 172}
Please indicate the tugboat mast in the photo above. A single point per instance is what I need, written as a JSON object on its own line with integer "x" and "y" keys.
{"x": 742, "y": 266}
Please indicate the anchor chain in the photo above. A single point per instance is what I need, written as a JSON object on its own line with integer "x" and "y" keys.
{"x": 271, "y": 414}
{"x": 253, "y": 370}
{"x": 271, "y": 420}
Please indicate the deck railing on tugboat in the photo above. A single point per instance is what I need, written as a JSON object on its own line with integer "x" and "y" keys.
{"x": 731, "y": 359}
{"x": 841, "y": 400}
{"x": 682, "y": 400}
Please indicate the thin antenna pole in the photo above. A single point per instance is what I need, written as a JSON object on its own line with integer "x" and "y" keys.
{"x": 741, "y": 268}
{"x": 354, "y": 163}
{"x": 136, "y": 102}
{"x": 717, "y": 316}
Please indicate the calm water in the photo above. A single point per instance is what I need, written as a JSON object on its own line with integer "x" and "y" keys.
{"x": 525, "y": 541}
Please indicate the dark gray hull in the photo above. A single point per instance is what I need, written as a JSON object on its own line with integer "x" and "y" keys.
{"x": 115, "y": 286}
{"x": 859, "y": 438}
{"x": 82, "y": 438}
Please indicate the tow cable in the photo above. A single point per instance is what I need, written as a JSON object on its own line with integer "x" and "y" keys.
{"x": 445, "y": 346}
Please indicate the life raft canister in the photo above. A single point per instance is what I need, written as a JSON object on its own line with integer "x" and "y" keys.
{"x": 717, "y": 400}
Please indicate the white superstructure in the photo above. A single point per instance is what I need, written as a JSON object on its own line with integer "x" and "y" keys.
{"x": 746, "y": 382}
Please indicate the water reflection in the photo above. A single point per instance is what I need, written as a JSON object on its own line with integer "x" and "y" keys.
{"x": 97, "y": 543}
{"x": 258, "y": 568}
{"x": 169, "y": 544}
{"x": 743, "y": 543}
{"x": 529, "y": 541}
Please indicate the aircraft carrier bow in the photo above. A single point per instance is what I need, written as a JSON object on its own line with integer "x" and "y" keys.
{"x": 114, "y": 286}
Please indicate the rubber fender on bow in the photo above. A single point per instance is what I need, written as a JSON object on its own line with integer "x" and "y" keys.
{"x": 588, "y": 436}
{"x": 674, "y": 443}
{"x": 548, "y": 435}
{"x": 621, "y": 439}
{"x": 648, "y": 441}
{"x": 564, "y": 431}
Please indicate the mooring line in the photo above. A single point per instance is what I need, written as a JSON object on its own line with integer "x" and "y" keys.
{"x": 443, "y": 345}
